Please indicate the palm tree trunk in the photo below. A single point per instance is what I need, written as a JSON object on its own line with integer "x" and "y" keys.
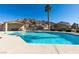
{"x": 48, "y": 21}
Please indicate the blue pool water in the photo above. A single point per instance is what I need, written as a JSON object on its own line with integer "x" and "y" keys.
{"x": 48, "y": 37}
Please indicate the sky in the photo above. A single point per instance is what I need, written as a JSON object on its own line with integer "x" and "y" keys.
{"x": 59, "y": 12}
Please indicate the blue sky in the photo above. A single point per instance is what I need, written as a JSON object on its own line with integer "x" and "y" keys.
{"x": 59, "y": 12}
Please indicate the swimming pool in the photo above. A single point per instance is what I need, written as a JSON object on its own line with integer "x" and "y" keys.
{"x": 48, "y": 37}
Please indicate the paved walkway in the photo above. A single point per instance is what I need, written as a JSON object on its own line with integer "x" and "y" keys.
{"x": 14, "y": 44}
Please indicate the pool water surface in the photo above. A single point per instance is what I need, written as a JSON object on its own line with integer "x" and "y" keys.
{"x": 48, "y": 37}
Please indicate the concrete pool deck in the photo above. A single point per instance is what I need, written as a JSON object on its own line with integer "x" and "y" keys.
{"x": 13, "y": 44}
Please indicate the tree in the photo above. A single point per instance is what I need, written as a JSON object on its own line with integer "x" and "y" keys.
{"x": 74, "y": 26}
{"x": 62, "y": 26}
{"x": 48, "y": 9}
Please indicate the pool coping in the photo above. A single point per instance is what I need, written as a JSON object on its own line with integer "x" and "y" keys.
{"x": 14, "y": 44}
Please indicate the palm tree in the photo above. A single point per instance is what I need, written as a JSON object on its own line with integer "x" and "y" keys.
{"x": 48, "y": 9}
